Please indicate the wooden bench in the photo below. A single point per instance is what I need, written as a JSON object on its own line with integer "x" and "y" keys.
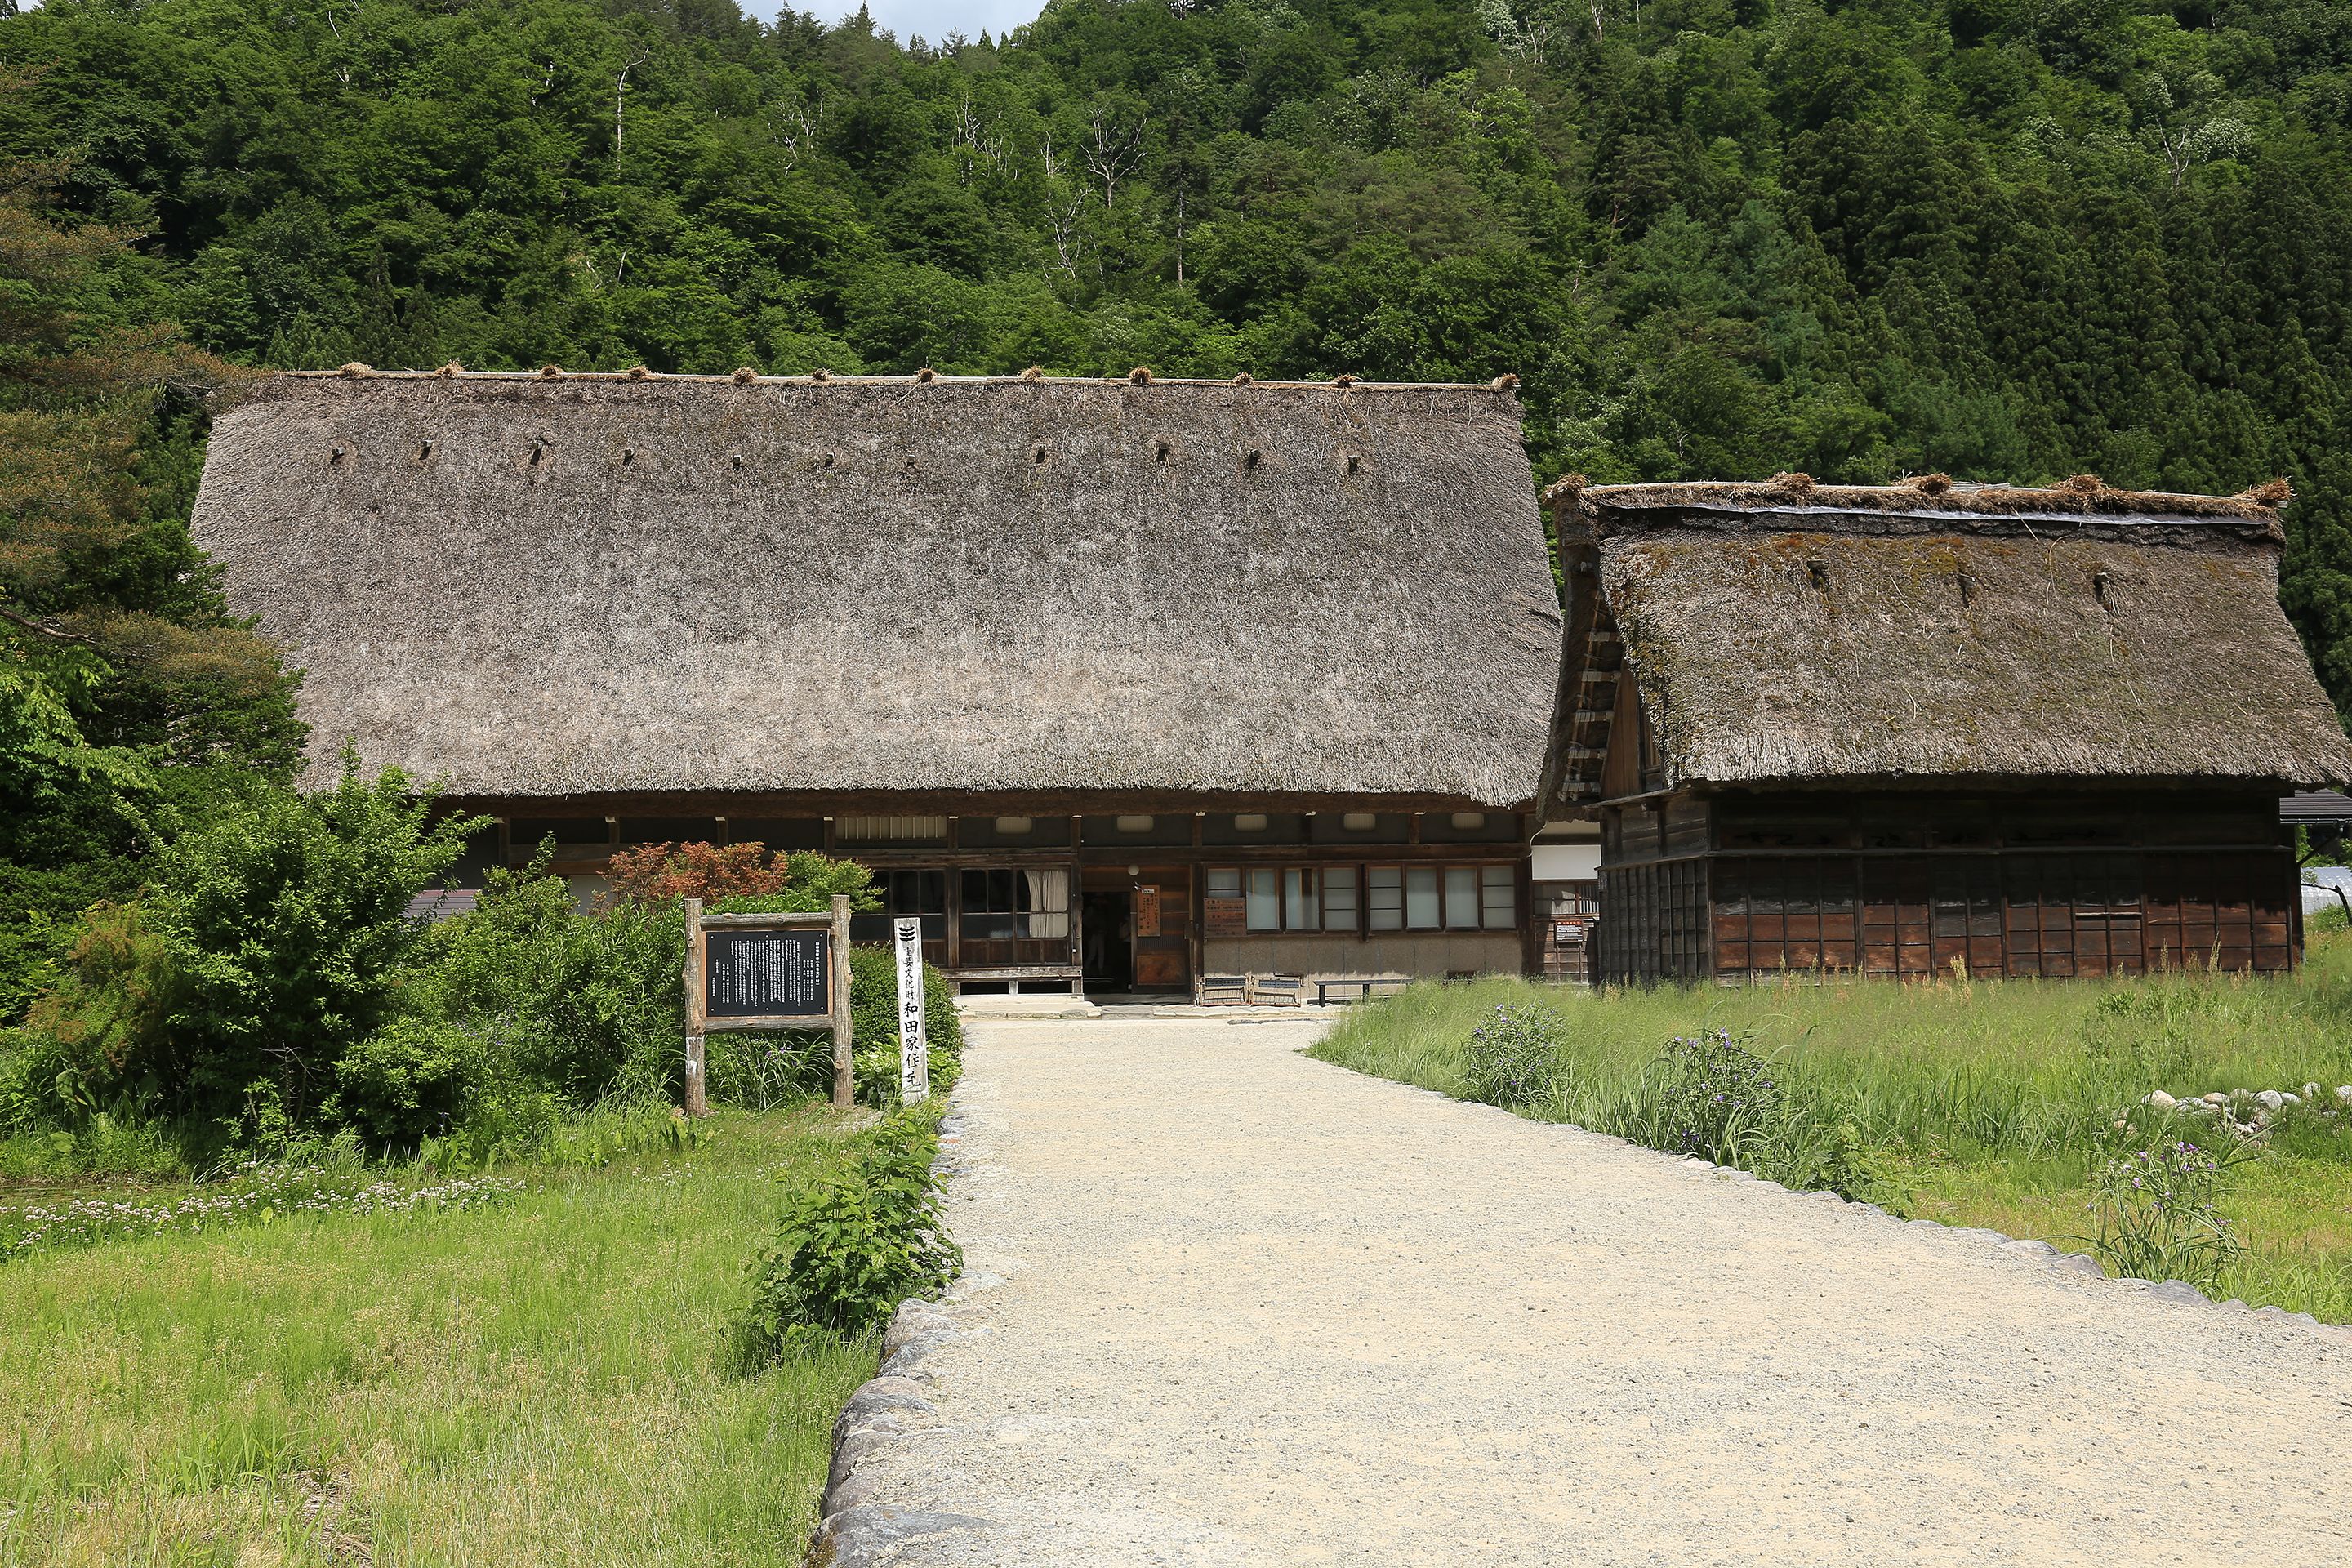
{"x": 1364, "y": 986}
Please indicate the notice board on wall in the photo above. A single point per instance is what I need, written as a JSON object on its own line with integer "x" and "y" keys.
{"x": 1225, "y": 917}
{"x": 1147, "y": 911}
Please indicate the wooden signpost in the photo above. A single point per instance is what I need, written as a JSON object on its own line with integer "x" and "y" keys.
{"x": 914, "y": 1045}
{"x": 766, "y": 972}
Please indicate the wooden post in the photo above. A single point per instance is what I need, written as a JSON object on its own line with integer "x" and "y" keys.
{"x": 698, "y": 1101}
{"x": 843, "y": 1089}
{"x": 1077, "y": 913}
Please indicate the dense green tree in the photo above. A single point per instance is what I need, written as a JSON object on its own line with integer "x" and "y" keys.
{"x": 126, "y": 692}
{"x": 2007, "y": 239}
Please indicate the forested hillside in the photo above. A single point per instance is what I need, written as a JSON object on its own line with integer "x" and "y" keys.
{"x": 2007, "y": 239}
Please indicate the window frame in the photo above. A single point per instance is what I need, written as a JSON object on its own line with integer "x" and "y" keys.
{"x": 1469, "y": 896}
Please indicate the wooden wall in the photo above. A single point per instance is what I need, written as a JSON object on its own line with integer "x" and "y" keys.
{"x": 1751, "y": 886}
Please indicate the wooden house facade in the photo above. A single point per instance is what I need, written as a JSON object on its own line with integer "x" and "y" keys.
{"x": 1114, "y": 684}
{"x": 1928, "y": 729}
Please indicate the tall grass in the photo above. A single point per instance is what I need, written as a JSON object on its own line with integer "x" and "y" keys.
{"x": 1987, "y": 1102}
{"x": 542, "y": 1382}
{"x": 2022, "y": 1065}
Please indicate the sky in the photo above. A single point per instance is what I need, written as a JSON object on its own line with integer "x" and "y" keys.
{"x": 934, "y": 19}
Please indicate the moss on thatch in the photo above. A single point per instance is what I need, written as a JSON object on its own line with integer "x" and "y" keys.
{"x": 582, "y": 583}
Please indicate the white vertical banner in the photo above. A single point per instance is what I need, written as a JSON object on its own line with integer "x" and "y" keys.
{"x": 914, "y": 1045}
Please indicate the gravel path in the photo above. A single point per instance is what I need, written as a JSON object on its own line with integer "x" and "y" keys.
{"x": 1227, "y": 1305}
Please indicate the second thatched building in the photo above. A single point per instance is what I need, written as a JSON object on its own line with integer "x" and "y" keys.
{"x": 1930, "y": 728}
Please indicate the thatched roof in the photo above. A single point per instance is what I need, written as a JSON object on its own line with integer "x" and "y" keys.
{"x": 1786, "y": 632}
{"x": 565, "y": 585}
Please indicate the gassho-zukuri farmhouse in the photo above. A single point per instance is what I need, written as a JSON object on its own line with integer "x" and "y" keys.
{"x": 1143, "y": 685}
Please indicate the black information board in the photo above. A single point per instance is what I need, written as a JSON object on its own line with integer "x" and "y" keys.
{"x": 767, "y": 974}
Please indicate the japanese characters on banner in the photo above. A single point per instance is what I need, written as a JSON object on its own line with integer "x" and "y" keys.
{"x": 914, "y": 1045}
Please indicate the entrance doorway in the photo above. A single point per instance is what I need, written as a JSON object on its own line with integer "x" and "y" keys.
{"x": 1110, "y": 926}
{"x": 1138, "y": 929}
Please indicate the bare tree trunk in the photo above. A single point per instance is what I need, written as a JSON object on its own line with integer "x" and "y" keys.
{"x": 620, "y": 89}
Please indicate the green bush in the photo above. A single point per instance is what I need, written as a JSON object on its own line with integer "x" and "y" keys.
{"x": 1710, "y": 1096}
{"x": 106, "y": 1027}
{"x": 855, "y": 1242}
{"x": 1514, "y": 1055}
{"x": 2154, "y": 1210}
{"x": 41, "y": 1082}
{"x": 1707, "y": 1096}
{"x": 591, "y": 1004}
{"x": 411, "y": 1078}
{"x": 582, "y": 1006}
{"x": 272, "y": 943}
{"x": 288, "y": 921}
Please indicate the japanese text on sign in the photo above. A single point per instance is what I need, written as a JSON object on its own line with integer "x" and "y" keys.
{"x": 767, "y": 974}
{"x": 914, "y": 1047}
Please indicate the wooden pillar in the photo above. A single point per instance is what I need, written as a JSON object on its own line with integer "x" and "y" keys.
{"x": 1196, "y": 939}
{"x": 697, "y": 1100}
{"x": 843, "y": 1089}
{"x": 1077, "y": 912}
{"x": 1523, "y": 899}
{"x": 954, "y": 903}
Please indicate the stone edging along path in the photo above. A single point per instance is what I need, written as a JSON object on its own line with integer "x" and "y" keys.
{"x": 853, "y": 1530}
{"x": 856, "y": 1530}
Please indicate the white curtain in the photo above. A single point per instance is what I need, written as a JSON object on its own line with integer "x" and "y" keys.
{"x": 1049, "y": 902}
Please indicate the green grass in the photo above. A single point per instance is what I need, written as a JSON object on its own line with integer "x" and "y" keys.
{"x": 546, "y": 1382}
{"x": 1976, "y": 1103}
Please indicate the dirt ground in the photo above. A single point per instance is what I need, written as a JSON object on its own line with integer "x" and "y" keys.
{"x": 1225, "y": 1305}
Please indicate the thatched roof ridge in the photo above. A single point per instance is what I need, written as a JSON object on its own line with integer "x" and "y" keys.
{"x": 1914, "y": 506}
{"x": 568, "y": 585}
{"x": 1139, "y": 377}
{"x": 1849, "y": 634}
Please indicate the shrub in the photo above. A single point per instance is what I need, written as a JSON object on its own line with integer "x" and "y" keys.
{"x": 580, "y": 1005}
{"x": 271, "y": 945}
{"x": 102, "y": 1034}
{"x": 2155, "y": 1211}
{"x": 1708, "y": 1096}
{"x": 668, "y": 873}
{"x": 1514, "y": 1055}
{"x": 411, "y": 1078}
{"x": 855, "y": 1242}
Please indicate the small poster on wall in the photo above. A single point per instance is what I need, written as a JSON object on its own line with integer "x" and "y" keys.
{"x": 1225, "y": 917}
{"x": 1147, "y": 911}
